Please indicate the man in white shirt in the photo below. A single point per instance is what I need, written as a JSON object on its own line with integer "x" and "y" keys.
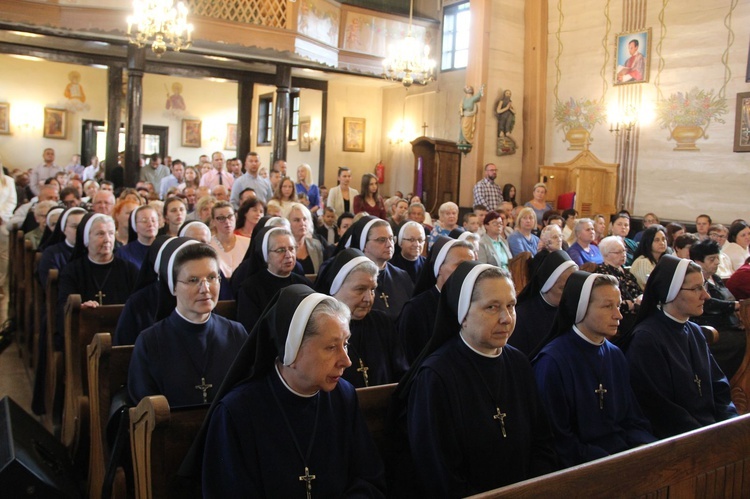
{"x": 44, "y": 171}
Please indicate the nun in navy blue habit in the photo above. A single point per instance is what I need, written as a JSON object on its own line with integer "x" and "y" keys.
{"x": 409, "y": 258}
{"x": 584, "y": 380}
{"x": 374, "y": 348}
{"x": 309, "y": 439}
{"x": 538, "y": 302}
{"x": 186, "y": 356}
{"x": 679, "y": 385}
{"x": 138, "y": 235}
{"x": 474, "y": 418}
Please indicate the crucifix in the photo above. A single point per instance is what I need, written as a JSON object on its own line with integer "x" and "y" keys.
{"x": 307, "y": 478}
{"x": 500, "y": 416}
{"x": 204, "y": 388}
{"x": 363, "y": 369}
{"x": 384, "y": 297}
{"x": 424, "y": 128}
{"x": 601, "y": 391}
{"x": 100, "y": 295}
{"x": 697, "y": 381}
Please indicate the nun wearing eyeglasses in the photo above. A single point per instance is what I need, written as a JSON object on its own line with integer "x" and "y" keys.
{"x": 285, "y": 423}
{"x": 186, "y": 356}
{"x": 374, "y": 349}
{"x": 474, "y": 418}
{"x": 583, "y": 379}
{"x": 679, "y": 385}
{"x": 408, "y": 252}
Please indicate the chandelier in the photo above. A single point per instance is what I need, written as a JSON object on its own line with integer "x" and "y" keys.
{"x": 409, "y": 60}
{"x": 161, "y": 24}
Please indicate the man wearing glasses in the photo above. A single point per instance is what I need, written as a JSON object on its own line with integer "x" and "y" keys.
{"x": 486, "y": 191}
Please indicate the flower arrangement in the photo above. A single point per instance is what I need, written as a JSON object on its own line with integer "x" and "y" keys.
{"x": 581, "y": 113}
{"x": 694, "y": 108}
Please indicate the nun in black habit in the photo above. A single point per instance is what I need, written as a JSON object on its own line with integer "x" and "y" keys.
{"x": 410, "y": 242}
{"x": 583, "y": 379}
{"x": 94, "y": 271}
{"x": 186, "y": 356}
{"x": 679, "y": 385}
{"x": 271, "y": 264}
{"x": 309, "y": 438}
{"x": 538, "y": 301}
{"x": 474, "y": 418}
{"x": 374, "y": 349}
{"x": 195, "y": 229}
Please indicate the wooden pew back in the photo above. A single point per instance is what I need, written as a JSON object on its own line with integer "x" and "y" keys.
{"x": 55, "y": 371}
{"x": 38, "y": 305}
{"x": 708, "y": 462}
{"x": 19, "y": 294}
{"x": 740, "y": 382}
{"x": 28, "y": 300}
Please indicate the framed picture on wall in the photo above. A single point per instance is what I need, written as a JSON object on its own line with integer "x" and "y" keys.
{"x": 303, "y": 139}
{"x": 632, "y": 57}
{"x": 191, "y": 133}
{"x": 742, "y": 123}
{"x": 354, "y": 134}
{"x": 55, "y": 123}
{"x": 231, "y": 142}
{"x": 4, "y": 118}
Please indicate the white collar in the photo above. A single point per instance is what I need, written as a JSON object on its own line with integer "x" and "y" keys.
{"x": 283, "y": 381}
{"x": 461, "y": 334}
{"x": 188, "y": 320}
{"x": 579, "y": 333}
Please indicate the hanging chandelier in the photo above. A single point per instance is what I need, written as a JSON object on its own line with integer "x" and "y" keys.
{"x": 409, "y": 60}
{"x": 161, "y": 24}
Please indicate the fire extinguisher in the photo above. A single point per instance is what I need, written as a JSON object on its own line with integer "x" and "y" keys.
{"x": 380, "y": 172}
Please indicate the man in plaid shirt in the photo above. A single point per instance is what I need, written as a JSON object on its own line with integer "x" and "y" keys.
{"x": 486, "y": 191}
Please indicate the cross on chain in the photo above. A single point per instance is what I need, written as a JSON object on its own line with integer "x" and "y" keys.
{"x": 363, "y": 369}
{"x": 697, "y": 381}
{"x": 500, "y": 416}
{"x": 601, "y": 391}
{"x": 100, "y": 295}
{"x": 204, "y": 388}
{"x": 384, "y": 297}
{"x": 307, "y": 478}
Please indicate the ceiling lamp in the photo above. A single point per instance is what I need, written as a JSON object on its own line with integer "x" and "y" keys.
{"x": 409, "y": 60}
{"x": 161, "y": 24}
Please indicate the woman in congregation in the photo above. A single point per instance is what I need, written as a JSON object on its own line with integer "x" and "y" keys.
{"x": 613, "y": 252}
{"x": 493, "y": 249}
{"x": 230, "y": 247}
{"x": 649, "y": 219}
{"x": 652, "y": 247}
{"x": 45, "y": 222}
{"x": 522, "y": 239}
{"x": 474, "y": 418}
{"x": 600, "y": 227}
{"x": 250, "y": 212}
{"x": 674, "y": 230}
{"x": 310, "y": 439}
{"x": 509, "y": 194}
{"x": 374, "y": 349}
{"x": 144, "y": 227}
{"x": 738, "y": 241}
{"x": 621, "y": 227}
{"x": 369, "y": 199}
{"x": 122, "y": 211}
{"x": 305, "y": 186}
{"x": 203, "y": 209}
{"x": 192, "y": 179}
{"x": 583, "y": 379}
{"x": 683, "y": 243}
{"x": 175, "y": 211}
{"x": 94, "y": 271}
{"x": 679, "y": 385}
{"x": 583, "y": 250}
{"x": 186, "y": 356}
{"x": 285, "y": 196}
{"x": 341, "y": 197}
{"x": 539, "y": 203}
{"x": 447, "y": 221}
{"x": 309, "y": 249}
{"x": 271, "y": 264}
{"x": 538, "y": 302}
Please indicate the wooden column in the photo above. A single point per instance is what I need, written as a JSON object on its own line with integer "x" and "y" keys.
{"x": 133, "y": 129}
{"x": 323, "y": 129}
{"x": 281, "y": 112}
{"x": 244, "y": 118}
{"x": 114, "y": 106}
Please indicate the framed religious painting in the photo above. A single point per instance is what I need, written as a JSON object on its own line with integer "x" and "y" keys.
{"x": 304, "y": 138}
{"x": 231, "y": 143}
{"x": 742, "y": 123}
{"x": 4, "y": 118}
{"x": 354, "y": 134}
{"x": 191, "y": 133}
{"x": 632, "y": 57}
{"x": 55, "y": 123}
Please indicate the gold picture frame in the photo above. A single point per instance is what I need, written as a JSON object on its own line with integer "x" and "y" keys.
{"x": 55, "y": 123}
{"x": 354, "y": 134}
{"x": 627, "y": 57}
{"x": 303, "y": 135}
{"x": 742, "y": 123}
{"x": 4, "y": 118}
{"x": 191, "y": 133}
{"x": 231, "y": 143}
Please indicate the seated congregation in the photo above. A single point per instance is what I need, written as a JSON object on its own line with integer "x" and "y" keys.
{"x": 603, "y": 350}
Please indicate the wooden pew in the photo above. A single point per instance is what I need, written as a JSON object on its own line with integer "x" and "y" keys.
{"x": 708, "y": 462}
{"x": 28, "y": 299}
{"x": 19, "y": 292}
{"x": 38, "y": 299}
{"x": 374, "y": 402}
{"x": 519, "y": 270}
{"x": 107, "y": 373}
{"x": 740, "y": 382}
{"x": 55, "y": 372}
{"x": 12, "y": 273}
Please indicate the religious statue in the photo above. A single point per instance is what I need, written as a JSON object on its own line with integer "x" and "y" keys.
{"x": 468, "y": 112}
{"x": 506, "y": 120}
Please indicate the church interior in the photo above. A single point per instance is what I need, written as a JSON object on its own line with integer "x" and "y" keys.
{"x": 308, "y": 81}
